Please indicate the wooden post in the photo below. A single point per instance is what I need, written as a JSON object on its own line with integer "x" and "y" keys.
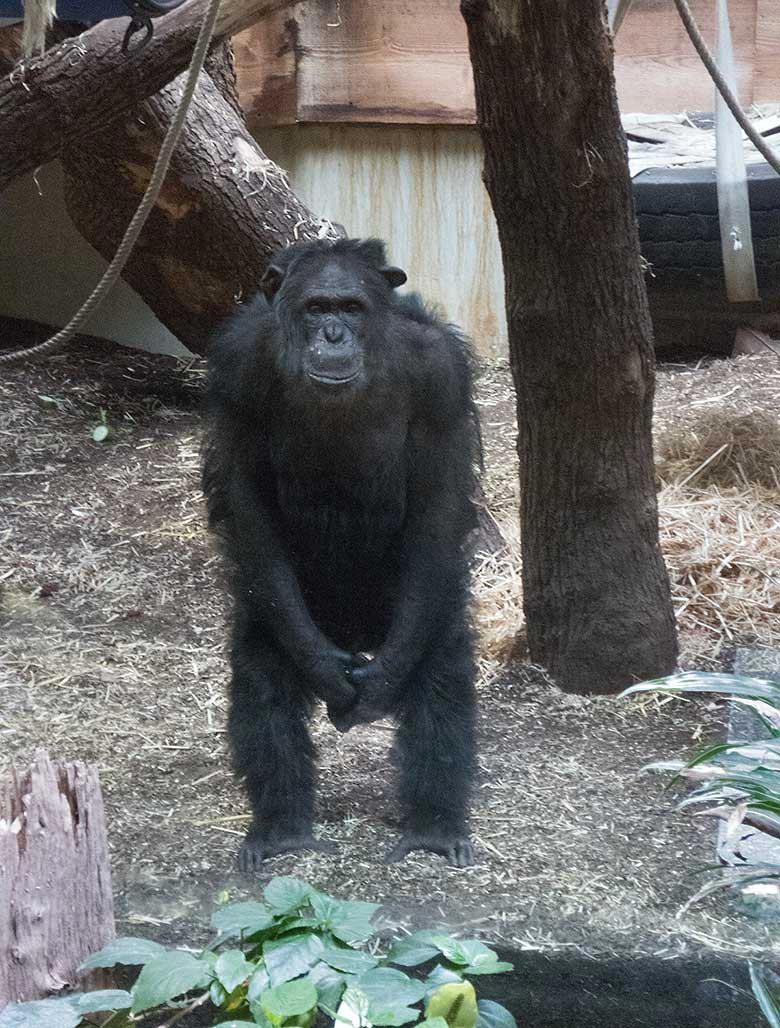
{"x": 56, "y": 904}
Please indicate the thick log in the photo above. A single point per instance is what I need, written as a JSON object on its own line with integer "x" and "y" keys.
{"x": 224, "y": 209}
{"x": 78, "y": 88}
{"x": 56, "y": 905}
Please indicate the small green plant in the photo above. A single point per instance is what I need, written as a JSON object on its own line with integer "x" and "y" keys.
{"x": 740, "y": 783}
{"x": 102, "y": 431}
{"x": 296, "y": 958}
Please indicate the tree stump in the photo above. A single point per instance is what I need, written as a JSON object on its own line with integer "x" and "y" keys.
{"x": 56, "y": 904}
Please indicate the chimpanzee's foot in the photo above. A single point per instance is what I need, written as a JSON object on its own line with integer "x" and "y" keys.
{"x": 259, "y": 846}
{"x": 457, "y": 849}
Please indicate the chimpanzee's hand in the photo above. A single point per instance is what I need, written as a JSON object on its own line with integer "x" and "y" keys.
{"x": 377, "y": 691}
{"x": 328, "y": 674}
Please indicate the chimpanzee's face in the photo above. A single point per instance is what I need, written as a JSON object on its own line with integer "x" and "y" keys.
{"x": 334, "y": 307}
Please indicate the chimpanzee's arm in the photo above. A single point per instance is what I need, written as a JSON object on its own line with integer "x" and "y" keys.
{"x": 267, "y": 587}
{"x": 443, "y": 449}
{"x": 439, "y": 514}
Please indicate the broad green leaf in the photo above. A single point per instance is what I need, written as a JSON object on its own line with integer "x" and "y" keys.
{"x": 289, "y": 1000}
{"x": 292, "y": 956}
{"x": 489, "y": 967}
{"x": 456, "y": 1003}
{"x": 493, "y": 1015}
{"x": 42, "y": 1013}
{"x": 330, "y": 986}
{"x": 390, "y": 994}
{"x": 233, "y": 969}
{"x": 237, "y": 1024}
{"x": 248, "y": 917}
{"x": 258, "y": 983}
{"x": 101, "y": 433}
{"x": 101, "y": 999}
{"x": 433, "y": 1022}
{"x": 766, "y": 988}
{"x": 349, "y": 921}
{"x": 441, "y": 975}
{"x": 171, "y": 974}
{"x": 471, "y": 955}
{"x": 352, "y": 961}
{"x": 412, "y": 951}
{"x": 285, "y": 894}
{"x": 353, "y": 1009}
{"x": 124, "y": 951}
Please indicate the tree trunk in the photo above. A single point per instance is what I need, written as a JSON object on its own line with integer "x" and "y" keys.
{"x": 78, "y": 88}
{"x": 56, "y": 905}
{"x": 224, "y": 208}
{"x": 596, "y": 592}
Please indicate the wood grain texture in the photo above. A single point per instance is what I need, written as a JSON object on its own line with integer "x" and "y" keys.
{"x": 56, "y": 904}
{"x": 766, "y": 88}
{"x": 408, "y": 63}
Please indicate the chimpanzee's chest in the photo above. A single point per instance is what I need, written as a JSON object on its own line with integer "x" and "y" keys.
{"x": 340, "y": 500}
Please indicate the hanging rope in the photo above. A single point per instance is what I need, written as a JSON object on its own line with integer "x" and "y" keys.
{"x": 710, "y": 64}
{"x": 149, "y": 199}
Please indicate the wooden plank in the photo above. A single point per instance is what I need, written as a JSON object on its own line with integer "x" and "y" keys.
{"x": 767, "y": 74}
{"x": 656, "y": 68}
{"x": 407, "y": 62}
{"x": 266, "y": 61}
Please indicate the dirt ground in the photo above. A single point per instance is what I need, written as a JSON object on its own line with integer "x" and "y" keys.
{"x": 112, "y": 650}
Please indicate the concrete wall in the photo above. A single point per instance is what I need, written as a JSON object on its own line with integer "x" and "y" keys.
{"x": 47, "y": 270}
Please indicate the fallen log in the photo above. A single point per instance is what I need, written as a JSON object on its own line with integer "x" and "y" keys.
{"x": 224, "y": 208}
{"x": 56, "y": 904}
{"x": 79, "y": 87}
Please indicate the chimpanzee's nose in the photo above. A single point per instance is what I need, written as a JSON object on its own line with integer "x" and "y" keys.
{"x": 334, "y": 331}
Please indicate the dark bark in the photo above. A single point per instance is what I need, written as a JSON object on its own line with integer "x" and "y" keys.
{"x": 78, "y": 88}
{"x": 224, "y": 209}
{"x": 56, "y": 904}
{"x": 596, "y": 592}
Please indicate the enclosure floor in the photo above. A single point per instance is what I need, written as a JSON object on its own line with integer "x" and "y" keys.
{"x": 113, "y": 651}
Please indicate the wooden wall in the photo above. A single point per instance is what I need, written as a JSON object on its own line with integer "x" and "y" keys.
{"x": 406, "y": 62}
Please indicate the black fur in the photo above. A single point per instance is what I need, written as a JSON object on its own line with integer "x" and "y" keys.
{"x": 344, "y": 510}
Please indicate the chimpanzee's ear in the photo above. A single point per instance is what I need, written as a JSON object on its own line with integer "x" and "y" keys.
{"x": 395, "y": 277}
{"x": 271, "y": 280}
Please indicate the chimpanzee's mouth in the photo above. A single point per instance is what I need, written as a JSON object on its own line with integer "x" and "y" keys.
{"x": 334, "y": 380}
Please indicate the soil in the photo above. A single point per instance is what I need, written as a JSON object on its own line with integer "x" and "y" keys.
{"x": 112, "y": 651}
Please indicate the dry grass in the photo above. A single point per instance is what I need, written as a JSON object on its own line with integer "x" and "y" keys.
{"x": 113, "y": 650}
{"x": 717, "y": 437}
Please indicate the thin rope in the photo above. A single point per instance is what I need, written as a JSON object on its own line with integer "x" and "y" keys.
{"x": 710, "y": 64}
{"x": 149, "y": 199}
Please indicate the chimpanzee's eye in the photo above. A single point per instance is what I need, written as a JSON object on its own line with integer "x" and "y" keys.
{"x": 352, "y": 307}
{"x": 315, "y": 308}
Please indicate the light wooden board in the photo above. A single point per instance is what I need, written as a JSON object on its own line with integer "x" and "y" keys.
{"x": 407, "y": 62}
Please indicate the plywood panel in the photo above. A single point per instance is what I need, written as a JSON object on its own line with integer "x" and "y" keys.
{"x": 420, "y": 188}
{"x": 407, "y": 62}
{"x": 656, "y": 67}
{"x": 767, "y": 75}
{"x": 385, "y": 62}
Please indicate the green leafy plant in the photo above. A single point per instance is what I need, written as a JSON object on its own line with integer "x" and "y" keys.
{"x": 295, "y": 958}
{"x": 739, "y": 782}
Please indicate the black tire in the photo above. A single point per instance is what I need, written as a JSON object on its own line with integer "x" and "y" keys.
{"x": 677, "y": 211}
{"x": 679, "y": 231}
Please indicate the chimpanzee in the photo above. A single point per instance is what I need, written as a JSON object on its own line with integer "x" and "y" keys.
{"x": 339, "y": 470}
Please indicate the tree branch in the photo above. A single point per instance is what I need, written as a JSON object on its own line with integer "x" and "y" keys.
{"x": 81, "y": 86}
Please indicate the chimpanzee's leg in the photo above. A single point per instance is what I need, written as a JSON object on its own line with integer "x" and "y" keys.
{"x": 271, "y": 749}
{"x": 436, "y": 750}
